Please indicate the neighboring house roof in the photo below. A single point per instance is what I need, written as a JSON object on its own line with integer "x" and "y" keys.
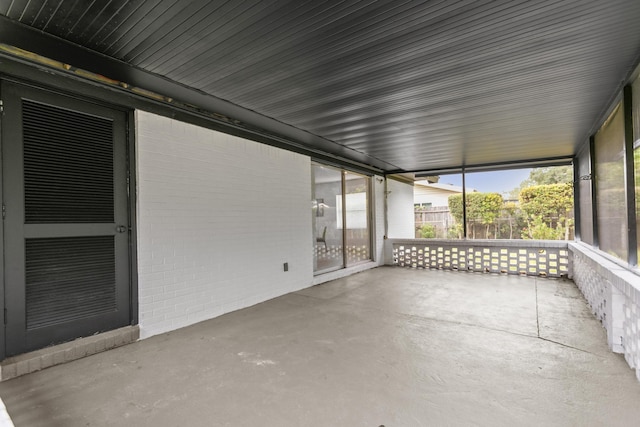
{"x": 444, "y": 187}
{"x": 438, "y": 186}
{"x": 435, "y": 194}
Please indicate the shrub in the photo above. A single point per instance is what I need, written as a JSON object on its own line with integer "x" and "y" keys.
{"x": 547, "y": 210}
{"x": 428, "y": 231}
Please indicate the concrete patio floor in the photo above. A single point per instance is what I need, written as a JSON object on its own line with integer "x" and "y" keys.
{"x": 390, "y": 346}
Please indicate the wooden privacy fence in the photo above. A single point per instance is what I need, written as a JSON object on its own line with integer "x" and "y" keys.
{"x": 438, "y": 216}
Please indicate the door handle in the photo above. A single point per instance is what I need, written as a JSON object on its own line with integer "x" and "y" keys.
{"x": 121, "y": 228}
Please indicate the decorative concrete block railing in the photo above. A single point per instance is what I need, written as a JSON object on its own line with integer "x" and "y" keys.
{"x": 612, "y": 291}
{"x": 355, "y": 253}
{"x": 522, "y": 257}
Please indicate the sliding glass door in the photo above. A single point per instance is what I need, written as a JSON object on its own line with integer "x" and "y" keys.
{"x": 357, "y": 236}
{"x": 327, "y": 188}
{"x": 341, "y": 218}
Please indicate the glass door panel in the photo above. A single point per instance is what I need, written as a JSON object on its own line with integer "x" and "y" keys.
{"x": 357, "y": 234}
{"x": 327, "y": 221}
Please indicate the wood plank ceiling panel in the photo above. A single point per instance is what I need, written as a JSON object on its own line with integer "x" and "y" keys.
{"x": 416, "y": 84}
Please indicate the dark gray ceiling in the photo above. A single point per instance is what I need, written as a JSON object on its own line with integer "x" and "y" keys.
{"x": 402, "y": 85}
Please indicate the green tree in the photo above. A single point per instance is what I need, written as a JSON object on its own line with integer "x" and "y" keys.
{"x": 455, "y": 208}
{"x": 549, "y": 175}
{"x": 545, "y": 176}
{"x": 548, "y": 211}
{"x": 482, "y": 208}
{"x": 510, "y": 211}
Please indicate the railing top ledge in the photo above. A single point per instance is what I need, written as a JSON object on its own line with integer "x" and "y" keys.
{"x": 484, "y": 242}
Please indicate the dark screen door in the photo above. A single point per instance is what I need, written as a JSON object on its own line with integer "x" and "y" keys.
{"x": 66, "y": 225}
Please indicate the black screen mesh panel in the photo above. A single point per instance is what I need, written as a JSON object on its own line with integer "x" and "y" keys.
{"x": 68, "y": 166}
{"x": 69, "y": 278}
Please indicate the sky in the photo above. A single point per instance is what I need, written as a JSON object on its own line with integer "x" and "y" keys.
{"x": 499, "y": 181}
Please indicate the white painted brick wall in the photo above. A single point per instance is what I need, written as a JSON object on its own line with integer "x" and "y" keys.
{"x": 217, "y": 218}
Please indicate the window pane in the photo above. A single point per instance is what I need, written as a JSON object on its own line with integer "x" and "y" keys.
{"x": 520, "y": 204}
{"x": 433, "y": 217}
{"x": 327, "y": 188}
{"x": 586, "y": 198}
{"x": 358, "y": 240}
{"x": 636, "y": 161}
{"x": 636, "y": 151}
{"x": 610, "y": 186}
{"x": 491, "y": 201}
{"x": 508, "y": 204}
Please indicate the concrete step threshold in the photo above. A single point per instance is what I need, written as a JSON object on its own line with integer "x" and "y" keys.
{"x": 26, "y": 363}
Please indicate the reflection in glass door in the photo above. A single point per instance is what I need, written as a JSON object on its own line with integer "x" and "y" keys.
{"x": 357, "y": 238}
{"x": 342, "y": 235}
{"x": 327, "y": 188}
